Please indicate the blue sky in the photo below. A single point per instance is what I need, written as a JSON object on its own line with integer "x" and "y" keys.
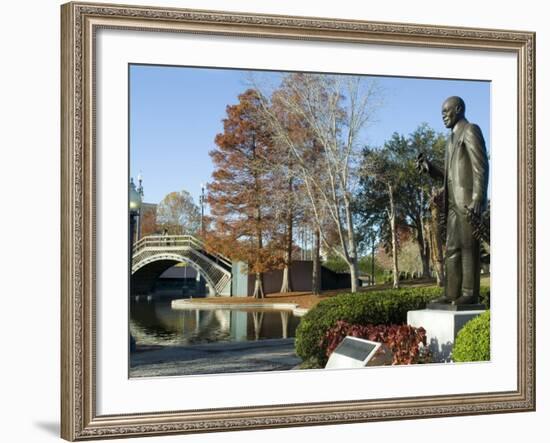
{"x": 175, "y": 113}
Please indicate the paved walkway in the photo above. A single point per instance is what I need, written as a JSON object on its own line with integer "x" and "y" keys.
{"x": 215, "y": 358}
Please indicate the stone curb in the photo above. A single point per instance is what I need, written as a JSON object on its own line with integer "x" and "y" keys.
{"x": 189, "y": 304}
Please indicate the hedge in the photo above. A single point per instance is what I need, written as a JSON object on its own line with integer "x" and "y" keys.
{"x": 384, "y": 307}
{"x": 473, "y": 342}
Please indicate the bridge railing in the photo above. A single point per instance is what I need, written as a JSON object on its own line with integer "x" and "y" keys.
{"x": 175, "y": 241}
{"x": 159, "y": 241}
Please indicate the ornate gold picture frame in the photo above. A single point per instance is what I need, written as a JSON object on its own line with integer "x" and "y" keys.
{"x": 80, "y": 24}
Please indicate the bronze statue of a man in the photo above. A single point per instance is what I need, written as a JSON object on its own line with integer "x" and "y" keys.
{"x": 465, "y": 176}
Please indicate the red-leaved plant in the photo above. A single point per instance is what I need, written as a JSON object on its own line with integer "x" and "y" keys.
{"x": 402, "y": 340}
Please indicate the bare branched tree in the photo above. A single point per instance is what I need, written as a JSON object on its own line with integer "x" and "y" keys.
{"x": 178, "y": 214}
{"x": 334, "y": 111}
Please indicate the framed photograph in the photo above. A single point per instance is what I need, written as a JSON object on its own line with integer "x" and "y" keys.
{"x": 245, "y": 197}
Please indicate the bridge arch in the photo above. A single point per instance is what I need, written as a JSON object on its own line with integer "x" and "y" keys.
{"x": 152, "y": 255}
{"x": 144, "y": 281}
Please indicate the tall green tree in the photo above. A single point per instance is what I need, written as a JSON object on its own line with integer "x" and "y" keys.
{"x": 415, "y": 190}
{"x": 383, "y": 172}
{"x": 394, "y": 194}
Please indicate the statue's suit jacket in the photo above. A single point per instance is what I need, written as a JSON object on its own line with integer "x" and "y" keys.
{"x": 466, "y": 171}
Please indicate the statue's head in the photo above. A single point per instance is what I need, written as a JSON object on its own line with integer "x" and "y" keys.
{"x": 452, "y": 111}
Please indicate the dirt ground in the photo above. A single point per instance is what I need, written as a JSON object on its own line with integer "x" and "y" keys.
{"x": 304, "y": 299}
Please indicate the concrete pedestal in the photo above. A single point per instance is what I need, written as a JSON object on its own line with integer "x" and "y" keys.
{"x": 441, "y": 329}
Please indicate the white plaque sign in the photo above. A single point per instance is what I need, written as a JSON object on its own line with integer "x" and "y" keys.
{"x": 353, "y": 352}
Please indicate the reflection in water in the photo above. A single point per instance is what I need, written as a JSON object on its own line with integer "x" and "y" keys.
{"x": 154, "y": 322}
{"x": 284, "y": 323}
{"x": 258, "y": 319}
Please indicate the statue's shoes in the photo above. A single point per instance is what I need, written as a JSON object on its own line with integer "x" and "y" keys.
{"x": 442, "y": 300}
{"x": 466, "y": 300}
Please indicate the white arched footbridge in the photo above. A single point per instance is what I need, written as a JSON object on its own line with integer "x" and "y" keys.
{"x": 153, "y": 254}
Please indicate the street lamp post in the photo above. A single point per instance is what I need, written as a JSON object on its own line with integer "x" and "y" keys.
{"x": 135, "y": 206}
{"x": 202, "y": 201}
{"x": 139, "y": 190}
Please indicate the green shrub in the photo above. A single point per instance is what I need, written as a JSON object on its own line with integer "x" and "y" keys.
{"x": 388, "y": 306}
{"x": 311, "y": 363}
{"x": 485, "y": 296}
{"x": 473, "y": 342}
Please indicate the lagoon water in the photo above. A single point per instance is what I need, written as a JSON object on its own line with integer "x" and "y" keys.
{"x": 154, "y": 322}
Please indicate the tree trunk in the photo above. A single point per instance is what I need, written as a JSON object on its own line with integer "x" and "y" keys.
{"x": 352, "y": 247}
{"x": 423, "y": 242}
{"x": 373, "y": 264}
{"x": 424, "y": 251}
{"x": 354, "y": 275}
{"x": 286, "y": 284}
{"x": 436, "y": 241}
{"x": 427, "y": 253}
{"x": 258, "y": 283}
{"x": 258, "y": 286}
{"x": 393, "y": 239}
{"x": 316, "y": 265}
{"x": 394, "y": 254}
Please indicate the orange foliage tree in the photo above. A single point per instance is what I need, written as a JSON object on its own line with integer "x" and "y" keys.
{"x": 149, "y": 222}
{"x": 241, "y": 193}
